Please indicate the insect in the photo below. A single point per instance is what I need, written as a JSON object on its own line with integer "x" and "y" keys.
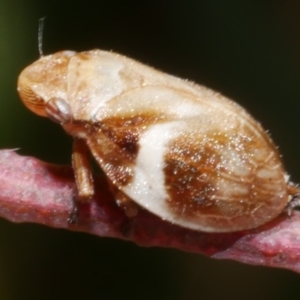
{"x": 177, "y": 149}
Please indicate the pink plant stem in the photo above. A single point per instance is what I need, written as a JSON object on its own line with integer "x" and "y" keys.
{"x": 37, "y": 192}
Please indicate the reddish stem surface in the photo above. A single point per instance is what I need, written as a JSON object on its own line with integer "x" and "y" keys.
{"x": 38, "y": 192}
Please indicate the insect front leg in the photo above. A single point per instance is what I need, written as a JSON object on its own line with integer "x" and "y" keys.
{"x": 83, "y": 177}
{"x": 82, "y": 171}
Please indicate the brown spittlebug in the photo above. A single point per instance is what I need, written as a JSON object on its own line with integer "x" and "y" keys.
{"x": 177, "y": 149}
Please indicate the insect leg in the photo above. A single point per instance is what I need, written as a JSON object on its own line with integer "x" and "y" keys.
{"x": 294, "y": 192}
{"x": 130, "y": 208}
{"x": 82, "y": 171}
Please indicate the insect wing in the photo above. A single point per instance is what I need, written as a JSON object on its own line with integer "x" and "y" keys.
{"x": 189, "y": 162}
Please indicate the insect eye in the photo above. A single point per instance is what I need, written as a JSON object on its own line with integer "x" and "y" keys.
{"x": 58, "y": 110}
{"x": 31, "y": 100}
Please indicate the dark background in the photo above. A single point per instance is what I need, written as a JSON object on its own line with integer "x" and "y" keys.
{"x": 248, "y": 50}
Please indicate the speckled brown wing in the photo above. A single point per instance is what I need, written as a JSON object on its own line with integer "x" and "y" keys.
{"x": 193, "y": 163}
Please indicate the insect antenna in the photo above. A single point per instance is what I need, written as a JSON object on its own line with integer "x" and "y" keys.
{"x": 40, "y": 35}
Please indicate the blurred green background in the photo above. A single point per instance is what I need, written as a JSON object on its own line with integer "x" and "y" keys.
{"x": 248, "y": 50}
